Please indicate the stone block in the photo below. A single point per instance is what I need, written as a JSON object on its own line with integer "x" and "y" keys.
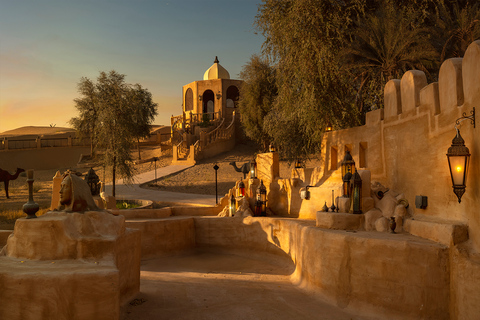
{"x": 445, "y": 233}
{"x": 371, "y": 217}
{"x": 374, "y": 117}
{"x": 339, "y": 221}
{"x": 430, "y": 98}
{"x": 268, "y": 167}
{"x": 450, "y": 84}
{"x": 367, "y": 204}
{"x": 412, "y": 82}
{"x": 343, "y": 204}
{"x": 381, "y": 225}
{"x": 393, "y": 101}
{"x": 470, "y": 72}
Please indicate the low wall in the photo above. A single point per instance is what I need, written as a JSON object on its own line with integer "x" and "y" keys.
{"x": 396, "y": 276}
{"x": 42, "y": 159}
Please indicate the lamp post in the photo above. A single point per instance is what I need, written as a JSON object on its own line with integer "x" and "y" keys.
{"x": 215, "y": 167}
{"x": 458, "y": 157}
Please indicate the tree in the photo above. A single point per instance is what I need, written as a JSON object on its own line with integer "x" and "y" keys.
{"x": 117, "y": 114}
{"x": 303, "y": 37}
{"x": 384, "y": 45}
{"x": 458, "y": 25}
{"x": 257, "y": 95}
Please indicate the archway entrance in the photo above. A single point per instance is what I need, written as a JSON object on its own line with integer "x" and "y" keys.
{"x": 208, "y": 99}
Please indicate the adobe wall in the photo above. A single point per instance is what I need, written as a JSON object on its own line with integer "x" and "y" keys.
{"x": 42, "y": 159}
{"x": 405, "y": 145}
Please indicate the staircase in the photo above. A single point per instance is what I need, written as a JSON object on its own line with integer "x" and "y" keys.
{"x": 189, "y": 147}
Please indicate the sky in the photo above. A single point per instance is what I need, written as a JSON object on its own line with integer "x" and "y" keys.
{"x": 47, "y": 46}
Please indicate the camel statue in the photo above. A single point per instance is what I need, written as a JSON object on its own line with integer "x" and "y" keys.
{"x": 245, "y": 168}
{"x": 5, "y": 176}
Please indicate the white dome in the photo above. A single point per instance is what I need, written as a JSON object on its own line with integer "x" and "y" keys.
{"x": 216, "y": 71}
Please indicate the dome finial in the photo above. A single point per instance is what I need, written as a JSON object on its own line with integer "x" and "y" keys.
{"x": 216, "y": 60}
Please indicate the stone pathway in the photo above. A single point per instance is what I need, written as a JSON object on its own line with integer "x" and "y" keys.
{"x": 130, "y": 192}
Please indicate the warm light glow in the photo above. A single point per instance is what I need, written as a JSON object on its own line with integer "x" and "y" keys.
{"x": 459, "y": 168}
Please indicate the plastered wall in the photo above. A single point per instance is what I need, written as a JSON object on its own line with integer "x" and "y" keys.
{"x": 404, "y": 145}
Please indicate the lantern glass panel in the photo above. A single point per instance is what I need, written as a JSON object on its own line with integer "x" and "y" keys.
{"x": 458, "y": 165}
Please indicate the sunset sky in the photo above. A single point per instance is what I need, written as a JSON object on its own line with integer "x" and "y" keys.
{"x": 47, "y": 46}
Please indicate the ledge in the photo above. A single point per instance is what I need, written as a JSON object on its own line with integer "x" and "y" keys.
{"x": 444, "y": 232}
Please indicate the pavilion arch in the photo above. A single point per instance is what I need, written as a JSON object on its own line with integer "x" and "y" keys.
{"x": 208, "y": 101}
{"x": 189, "y": 100}
{"x": 232, "y": 96}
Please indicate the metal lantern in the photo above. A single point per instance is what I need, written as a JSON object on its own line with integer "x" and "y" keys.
{"x": 253, "y": 169}
{"x": 258, "y": 208}
{"x": 262, "y": 197}
{"x": 458, "y": 157}
{"x": 232, "y": 206}
{"x": 298, "y": 164}
{"x": 348, "y": 164}
{"x": 357, "y": 193}
{"x": 328, "y": 128}
{"x": 93, "y": 182}
{"x": 241, "y": 189}
{"x": 272, "y": 148}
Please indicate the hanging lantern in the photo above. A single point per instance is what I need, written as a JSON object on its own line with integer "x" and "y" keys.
{"x": 329, "y": 127}
{"x": 272, "y": 148}
{"x": 241, "y": 189}
{"x": 253, "y": 169}
{"x": 458, "y": 157}
{"x": 298, "y": 164}
{"x": 93, "y": 182}
{"x": 262, "y": 197}
{"x": 357, "y": 193}
{"x": 232, "y": 206}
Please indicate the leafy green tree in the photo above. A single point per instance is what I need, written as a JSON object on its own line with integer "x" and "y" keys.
{"x": 257, "y": 95}
{"x": 303, "y": 37}
{"x": 123, "y": 114}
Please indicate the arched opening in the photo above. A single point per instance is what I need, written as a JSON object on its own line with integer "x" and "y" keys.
{"x": 208, "y": 100}
{"x": 232, "y": 96}
{"x": 189, "y": 100}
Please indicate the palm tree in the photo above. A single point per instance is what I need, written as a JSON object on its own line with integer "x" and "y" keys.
{"x": 457, "y": 28}
{"x": 384, "y": 45}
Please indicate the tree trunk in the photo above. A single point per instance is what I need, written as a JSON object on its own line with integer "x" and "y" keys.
{"x": 138, "y": 147}
{"x": 113, "y": 176}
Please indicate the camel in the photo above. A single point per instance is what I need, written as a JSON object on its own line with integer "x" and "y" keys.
{"x": 245, "y": 168}
{"x": 5, "y": 176}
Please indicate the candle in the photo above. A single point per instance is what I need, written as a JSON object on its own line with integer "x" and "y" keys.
{"x": 29, "y": 174}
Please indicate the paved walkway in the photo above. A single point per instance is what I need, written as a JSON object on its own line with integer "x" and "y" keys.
{"x": 123, "y": 191}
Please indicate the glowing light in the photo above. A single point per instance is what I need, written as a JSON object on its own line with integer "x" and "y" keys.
{"x": 459, "y": 168}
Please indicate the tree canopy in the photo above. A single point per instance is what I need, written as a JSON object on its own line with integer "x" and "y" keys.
{"x": 333, "y": 58}
{"x": 115, "y": 114}
{"x": 257, "y": 95}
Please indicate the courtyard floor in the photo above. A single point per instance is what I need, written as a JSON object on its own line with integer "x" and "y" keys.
{"x": 209, "y": 285}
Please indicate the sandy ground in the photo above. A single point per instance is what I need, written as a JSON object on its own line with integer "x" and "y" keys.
{"x": 201, "y": 178}
{"x": 211, "y": 285}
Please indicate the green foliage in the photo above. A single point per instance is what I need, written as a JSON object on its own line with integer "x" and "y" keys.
{"x": 116, "y": 114}
{"x": 257, "y": 95}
